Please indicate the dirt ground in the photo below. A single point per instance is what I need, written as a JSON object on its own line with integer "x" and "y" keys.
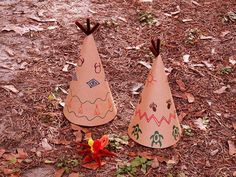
{"x": 38, "y": 37}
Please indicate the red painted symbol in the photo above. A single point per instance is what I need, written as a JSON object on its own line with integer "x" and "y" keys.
{"x": 150, "y": 80}
{"x": 98, "y": 68}
{"x": 109, "y": 104}
{"x": 96, "y": 112}
{"x": 80, "y": 61}
{"x": 80, "y": 110}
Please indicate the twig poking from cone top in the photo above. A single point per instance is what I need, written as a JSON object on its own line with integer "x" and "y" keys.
{"x": 89, "y": 30}
{"x": 155, "y": 47}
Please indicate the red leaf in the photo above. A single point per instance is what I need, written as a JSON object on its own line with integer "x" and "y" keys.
{"x": 93, "y": 165}
{"x": 181, "y": 85}
{"x": 21, "y": 154}
{"x": 232, "y": 148}
{"x": 7, "y": 171}
{"x": 74, "y": 175}
{"x": 78, "y": 136}
{"x": 62, "y": 141}
{"x": 59, "y": 172}
{"x": 181, "y": 116}
{"x": 190, "y": 97}
{"x": 2, "y": 151}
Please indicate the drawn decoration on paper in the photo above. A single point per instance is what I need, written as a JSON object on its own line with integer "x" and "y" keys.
{"x": 156, "y": 138}
{"x": 153, "y": 106}
{"x": 98, "y": 68}
{"x": 175, "y": 132}
{"x": 93, "y": 83}
{"x": 168, "y": 102}
{"x": 97, "y": 113}
{"x": 148, "y": 118}
{"x": 80, "y": 61}
{"x": 80, "y": 110}
{"x": 150, "y": 80}
{"x": 136, "y": 131}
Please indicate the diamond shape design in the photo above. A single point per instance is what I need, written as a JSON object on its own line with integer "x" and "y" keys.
{"x": 93, "y": 83}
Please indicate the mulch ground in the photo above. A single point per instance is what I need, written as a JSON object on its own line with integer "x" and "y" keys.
{"x": 38, "y": 58}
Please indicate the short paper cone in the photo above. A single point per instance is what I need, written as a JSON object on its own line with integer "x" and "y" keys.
{"x": 155, "y": 123}
{"x": 89, "y": 102}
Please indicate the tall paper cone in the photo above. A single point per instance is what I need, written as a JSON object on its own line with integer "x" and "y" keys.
{"x": 155, "y": 123}
{"x": 89, "y": 102}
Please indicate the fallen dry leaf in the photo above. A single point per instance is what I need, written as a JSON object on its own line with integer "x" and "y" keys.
{"x": 45, "y": 144}
{"x": 206, "y": 37}
{"x": 74, "y": 175}
{"x": 221, "y": 90}
{"x": 224, "y": 33}
{"x": 93, "y": 165}
{"x": 190, "y": 97}
{"x": 137, "y": 87}
{"x": 76, "y": 127}
{"x": 2, "y": 151}
{"x": 144, "y": 154}
{"x": 147, "y": 65}
{"x": 21, "y": 30}
{"x": 199, "y": 113}
{"x": 21, "y": 154}
{"x": 65, "y": 68}
{"x": 186, "y": 58}
{"x": 62, "y": 141}
{"x": 10, "y": 88}
{"x": 232, "y": 59}
{"x": 208, "y": 65}
{"x": 15, "y": 175}
{"x": 9, "y": 51}
{"x": 155, "y": 163}
{"x": 234, "y": 126}
{"x": 187, "y": 20}
{"x": 181, "y": 116}
{"x": 8, "y": 171}
{"x": 9, "y": 157}
{"x": 78, "y": 136}
{"x": 181, "y": 85}
{"x": 232, "y": 148}
{"x": 199, "y": 123}
{"x": 59, "y": 172}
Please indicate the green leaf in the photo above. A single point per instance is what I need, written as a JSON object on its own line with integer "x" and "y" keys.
{"x": 143, "y": 160}
{"x": 133, "y": 170}
{"x": 170, "y": 175}
{"x": 136, "y": 162}
{"x": 144, "y": 168}
{"x": 149, "y": 162}
{"x": 13, "y": 160}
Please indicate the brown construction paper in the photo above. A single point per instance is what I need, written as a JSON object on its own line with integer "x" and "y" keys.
{"x": 89, "y": 102}
{"x": 155, "y": 123}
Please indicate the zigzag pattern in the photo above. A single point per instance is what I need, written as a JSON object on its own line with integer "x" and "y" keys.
{"x": 149, "y": 118}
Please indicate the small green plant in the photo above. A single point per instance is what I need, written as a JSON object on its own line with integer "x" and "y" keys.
{"x": 230, "y": 17}
{"x": 116, "y": 142}
{"x": 187, "y": 130}
{"x": 130, "y": 169}
{"x": 67, "y": 164}
{"x": 147, "y": 18}
{"x": 226, "y": 70}
{"x": 192, "y": 35}
{"x": 111, "y": 23}
{"x": 205, "y": 121}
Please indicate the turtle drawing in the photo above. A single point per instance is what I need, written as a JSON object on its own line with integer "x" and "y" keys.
{"x": 156, "y": 138}
{"x": 175, "y": 132}
{"x": 136, "y": 131}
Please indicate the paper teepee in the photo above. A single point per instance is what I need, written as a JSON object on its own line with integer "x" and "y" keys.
{"x": 89, "y": 102}
{"x": 155, "y": 123}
